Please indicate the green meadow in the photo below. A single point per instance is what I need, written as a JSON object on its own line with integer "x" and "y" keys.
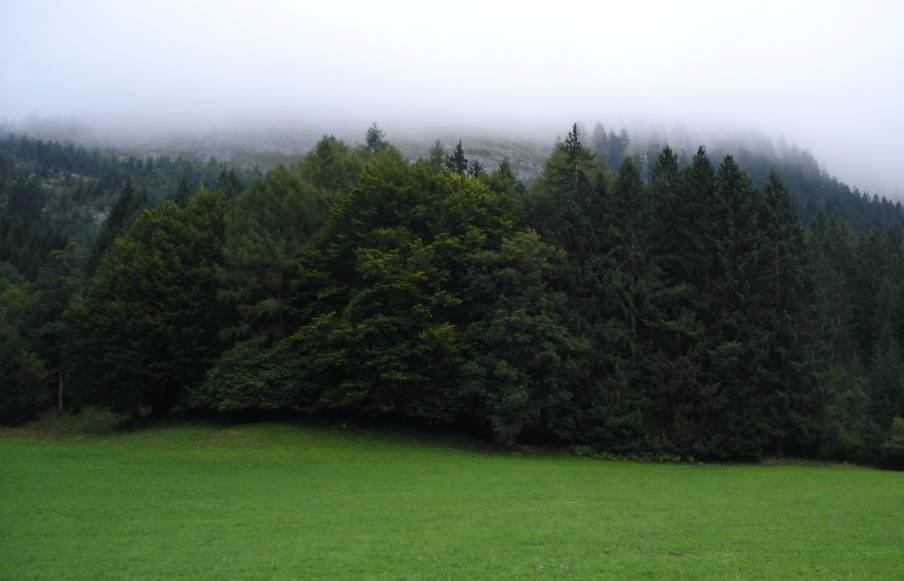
{"x": 290, "y": 501}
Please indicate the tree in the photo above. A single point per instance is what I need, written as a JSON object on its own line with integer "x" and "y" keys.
{"x": 664, "y": 181}
{"x": 22, "y": 373}
{"x": 26, "y": 198}
{"x": 786, "y": 307}
{"x": 568, "y": 201}
{"x": 437, "y": 158}
{"x": 115, "y": 225}
{"x": 378, "y": 338}
{"x": 183, "y": 192}
{"x": 331, "y": 167}
{"x": 229, "y": 184}
{"x": 504, "y": 180}
{"x": 147, "y": 326}
{"x": 571, "y": 166}
{"x": 390, "y": 349}
{"x": 523, "y": 358}
{"x": 266, "y": 234}
{"x": 59, "y": 283}
{"x": 600, "y": 141}
{"x": 626, "y": 327}
{"x": 375, "y": 140}
{"x": 456, "y": 161}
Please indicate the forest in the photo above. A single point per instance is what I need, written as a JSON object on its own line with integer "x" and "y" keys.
{"x": 627, "y": 302}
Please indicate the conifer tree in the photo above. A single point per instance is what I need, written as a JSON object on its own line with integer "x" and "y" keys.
{"x": 331, "y": 167}
{"x": 375, "y": 140}
{"x": 456, "y": 161}
{"x": 117, "y": 222}
{"x": 183, "y": 192}
{"x": 437, "y": 159}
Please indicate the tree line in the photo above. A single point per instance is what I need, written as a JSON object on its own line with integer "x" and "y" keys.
{"x": 670, "y": 311}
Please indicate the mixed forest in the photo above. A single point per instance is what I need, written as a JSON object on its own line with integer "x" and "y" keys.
{"x": 652, "y": 303}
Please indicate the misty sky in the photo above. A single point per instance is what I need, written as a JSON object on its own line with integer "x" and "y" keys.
{"x": 828, "y": 76}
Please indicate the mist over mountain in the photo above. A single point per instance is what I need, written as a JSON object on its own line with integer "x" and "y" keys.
{"x": 264, "y": 145}
{"x": 826, "y": 76}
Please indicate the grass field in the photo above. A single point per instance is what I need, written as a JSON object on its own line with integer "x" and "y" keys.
{"x": 279, "y": 501}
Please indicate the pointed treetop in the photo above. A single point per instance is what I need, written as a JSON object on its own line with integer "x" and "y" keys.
{"x": 457, "y": 161}
{"x": 375, "y": 140}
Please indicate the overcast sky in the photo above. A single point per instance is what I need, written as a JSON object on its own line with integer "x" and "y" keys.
{"x": 828, "y": 76}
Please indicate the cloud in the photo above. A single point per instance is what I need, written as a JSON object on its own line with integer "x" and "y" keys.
{"x": 827, "y": 75}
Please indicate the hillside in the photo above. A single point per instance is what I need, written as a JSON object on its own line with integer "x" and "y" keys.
{"x": 255, "y": 150}
{"x": 632, "y": 301}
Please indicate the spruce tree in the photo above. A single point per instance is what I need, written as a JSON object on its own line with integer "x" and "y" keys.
{"x": 456, "y": 161}
{"x": 375, "y": 140}
{"x": 437, "y": 159}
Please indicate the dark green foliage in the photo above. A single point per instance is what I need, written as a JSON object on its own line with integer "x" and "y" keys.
{"x": 893, "y": 448}
{"x": 147, "y": 327}
{"x": 456, "y": 161}
{"x": 375, "y": 140}
{"x": 504, "y": 180}
{"x": 229, "y": 184}
{"x": 182, "y": 192}
{"x": 567, "y": 206}
{"x": 22, "y": 376}
{"x": 252, "y": 375}
{"x": 690, "y": 314}
{"x": 332, "y": 167}
{"x": 571, "y": 167}
{"x": 380, "y": 339}
{"x": 437, "y": 159}
{"x": 523, "y": 358}
{"x": 25, "y": 244}
{"x": 23, "y": 391}
{"x": 59, "y": 284}
{"x": 26, "y": 199}
{"x": 627, "y": 320}
{"x": 886, "y": 381}
{"x": 266, "y": 233}
{"x": 390, "y": 349}
{"x": 117, "y": 222}
{"x": 76, "y": 187}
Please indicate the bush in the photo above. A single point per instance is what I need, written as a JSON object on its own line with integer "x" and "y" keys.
{"x": 251, "y": 376}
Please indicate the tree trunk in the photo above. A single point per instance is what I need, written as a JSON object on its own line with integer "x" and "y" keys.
{"x": 60, "y": 389}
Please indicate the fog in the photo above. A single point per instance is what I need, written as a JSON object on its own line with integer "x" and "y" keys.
{"x": 824, "y": 75}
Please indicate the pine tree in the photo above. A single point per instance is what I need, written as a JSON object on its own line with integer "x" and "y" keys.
{"x": 183, "y": 192}
{"x": 331, "y": 167}
{"x": 790, "y": 368}
{"x": 456, "y": 161}
{"x": 437, "y": 159}
{"x": 375, "y": 140}
{"x": 228, "y": 184}
{"x": 117, "y": 222}
{"x": 621, "y": 408}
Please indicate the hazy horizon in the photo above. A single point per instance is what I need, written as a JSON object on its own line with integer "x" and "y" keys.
{"x": 825, "y": 76}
